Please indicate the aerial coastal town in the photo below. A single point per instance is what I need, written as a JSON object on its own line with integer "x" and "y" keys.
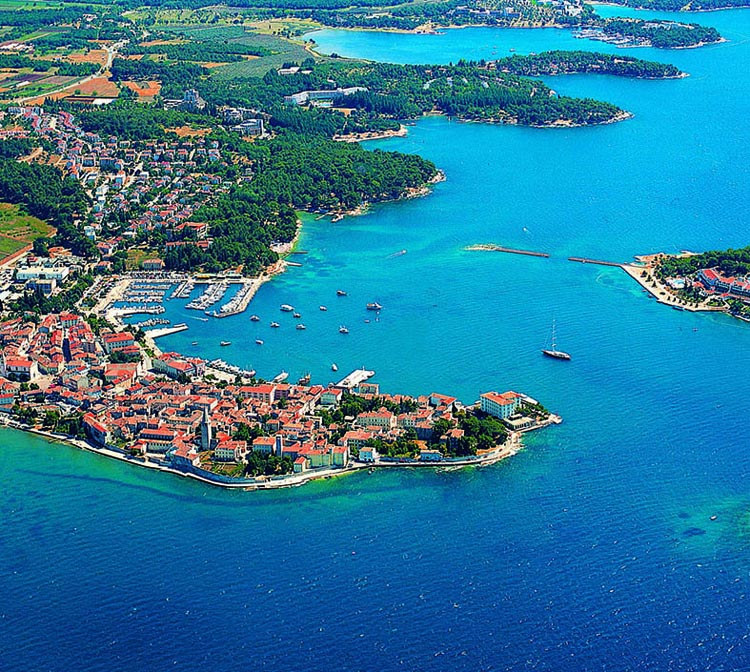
{"x": 133, "y": 174}
{"x": 85, "y": 375}
{"x": 172, "y": 412}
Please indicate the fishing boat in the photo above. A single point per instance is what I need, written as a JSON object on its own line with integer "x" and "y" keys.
{"x": 553, "y": 351}
{"x": 374, "y": 306}
{"x": 340, "y": 292}
{"x": 286, "y": 308}
{"x": 259, "y": 341}
{"x": 254, "y": 318}
{"x": 334, "y": 367}
{"x": 343, "y": 330}
{"x": 300, "y": 326}
{"x": 225, "y": 343}
{"x": 304, "y": 380}
{"x": 275, "y": 325}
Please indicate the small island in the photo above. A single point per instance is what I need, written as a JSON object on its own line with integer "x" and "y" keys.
{"x": 717, "y": 281}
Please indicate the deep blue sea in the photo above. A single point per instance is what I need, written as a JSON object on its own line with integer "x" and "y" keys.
{"x": 593, "y": 549}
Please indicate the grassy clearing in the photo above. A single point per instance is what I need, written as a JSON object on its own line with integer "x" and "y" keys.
{"x": 137, "y": 255}
{"x": 18, "y": 230}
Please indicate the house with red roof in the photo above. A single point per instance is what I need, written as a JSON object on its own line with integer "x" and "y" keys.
{"x": 114, "y": 342}
{"x": 500, "y": 405}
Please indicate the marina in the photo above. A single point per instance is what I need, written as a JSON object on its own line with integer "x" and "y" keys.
{"x": 211, "y": 295}
{"x": 240, "y": 301}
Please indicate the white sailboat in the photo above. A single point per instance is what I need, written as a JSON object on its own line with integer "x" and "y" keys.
{"x": 553, "y": 351}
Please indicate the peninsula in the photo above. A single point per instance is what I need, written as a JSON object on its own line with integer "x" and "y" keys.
{"x": 110, "y": 390}
{"x": 717, "y": 281}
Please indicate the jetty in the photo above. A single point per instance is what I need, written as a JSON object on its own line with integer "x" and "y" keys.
{"x": 599, "y": 262}
{"x": 224, "y": 367}
{"x": 355, "y": 378}
{"x": 166, "y": 331}
{"x": 137, "y": 310}
{"x": 508, "y": 250}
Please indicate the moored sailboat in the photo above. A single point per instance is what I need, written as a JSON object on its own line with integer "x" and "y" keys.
{"x": 553, "y": 351}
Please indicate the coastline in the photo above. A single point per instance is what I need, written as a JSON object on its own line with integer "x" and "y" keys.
{"x": 510, "y": 447}
{"x": 414, "y": 192}
{"x": 661, "y": 292}
{"x": 372, "y": 135}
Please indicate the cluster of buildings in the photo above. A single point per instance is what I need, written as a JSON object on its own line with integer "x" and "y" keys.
{"x": 322, "y": 98}
{"x": 158, "y": 184}
{"x": 165, "y": 410}
{"x": 713, "y": 282}
{"x": 47, "y": 274}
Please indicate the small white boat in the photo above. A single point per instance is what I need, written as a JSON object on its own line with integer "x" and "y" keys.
{"x": 286, "y": 308}
{"x": 275, "y": 325}
{"x": 259, "y": 341}
{"x": 225, "y": 343}
{"x": 340, "y": 292}
{"x": 343, "y": 330}
{"x": 323, "y": 308}
{"x": 301, "y": 326}
{"x": 254, "y": 318}
{"x": 334, "y": 367}
{"x": 374, "y": 306}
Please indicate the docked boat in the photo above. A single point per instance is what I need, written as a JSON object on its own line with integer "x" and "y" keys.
{"x": 281, "y": 377}
{"x": 553, "y": 351}
{"x": 225, "y": 343}
{"x": 259, "y": 341}
{"x": 343, "y": 330}
{"x": 275, "y": 325}
{"x": 300, "y": 326}
{"x": 286, "y": 308}
{"x": 304, "y": 380}
{"x": 374, "y": 306}
{"x": 340, "y": 292}
{"x": 323, "y": 308}
{"x": 334, "y": 367}
{"x": 254, "y": 318}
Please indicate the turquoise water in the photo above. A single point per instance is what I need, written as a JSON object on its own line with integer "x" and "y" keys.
{"x": 593, "y": 549}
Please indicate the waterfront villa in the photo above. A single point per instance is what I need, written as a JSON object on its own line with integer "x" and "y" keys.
{"x": 501, "y": 406}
